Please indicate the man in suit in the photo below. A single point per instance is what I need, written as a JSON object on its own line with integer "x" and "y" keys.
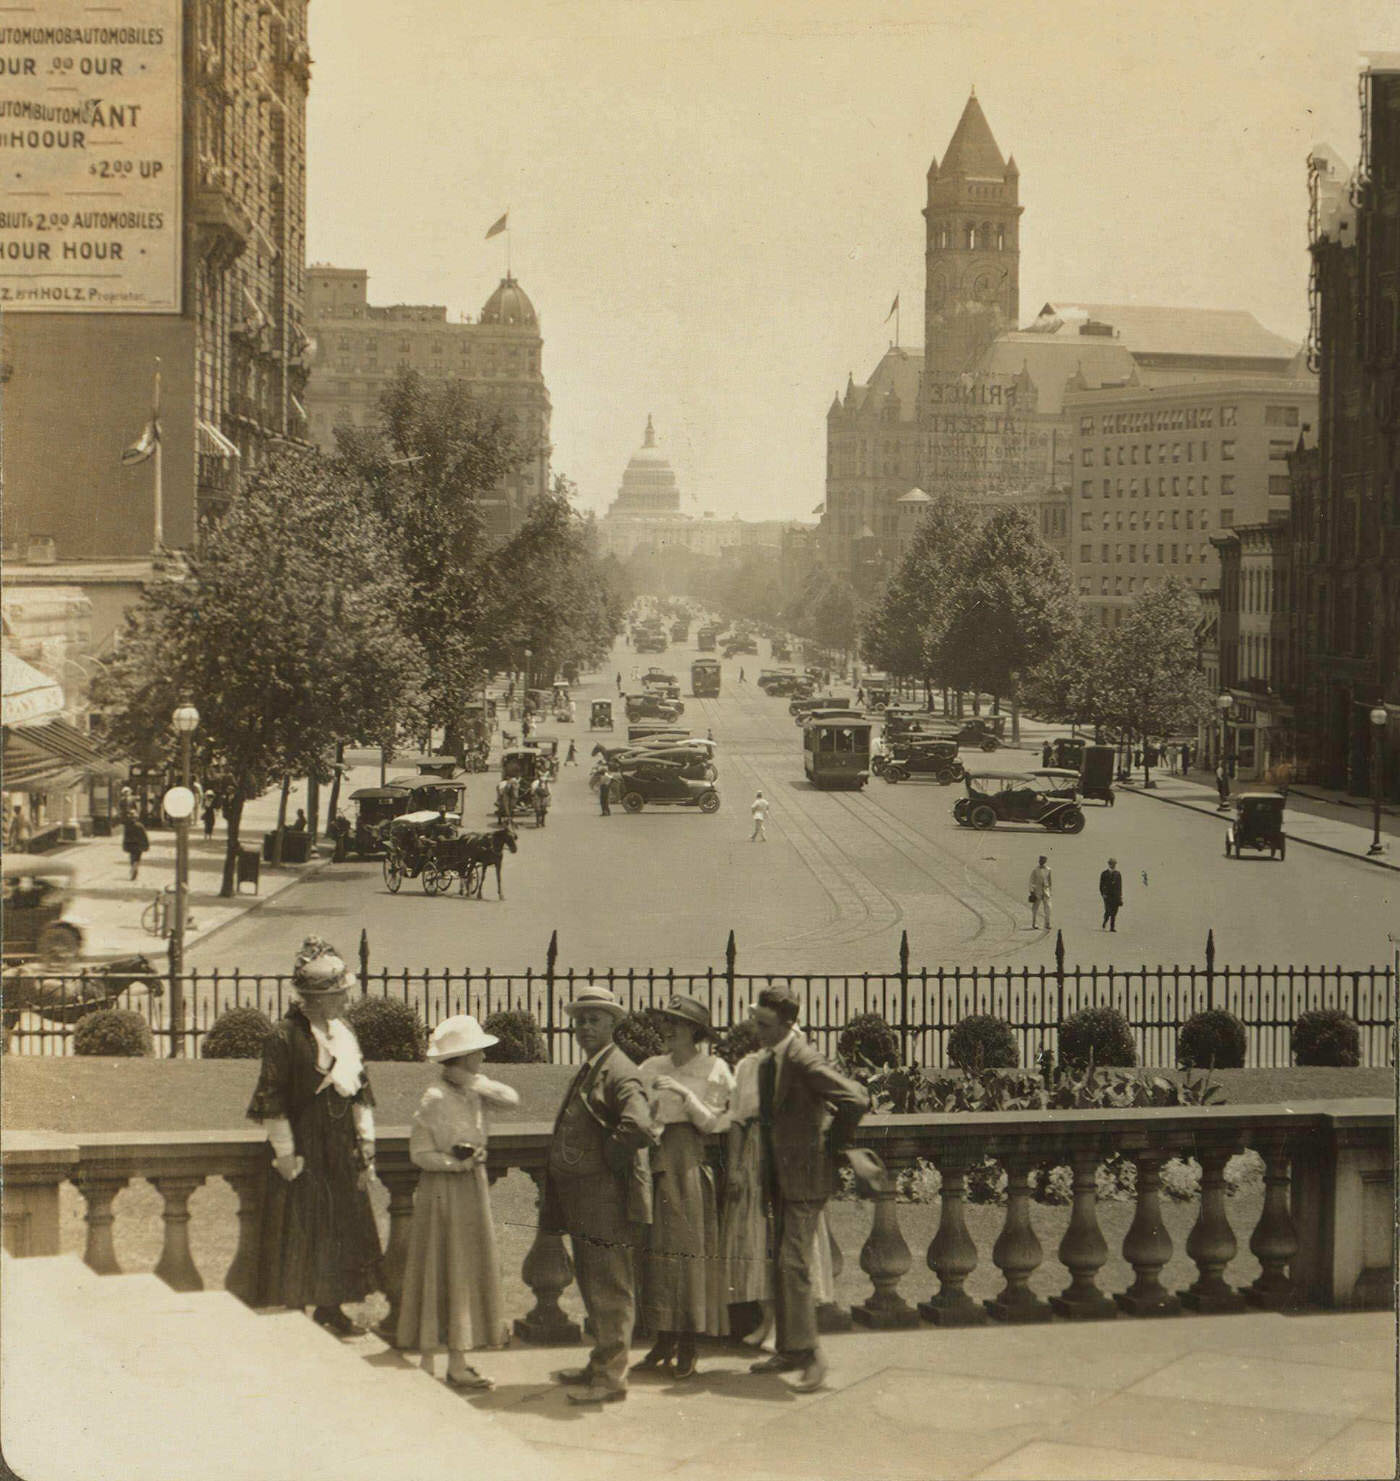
{"x": 1111, "y": 889}
{"x": 807, "y": 1112}
{"x": 598, "y": 1191}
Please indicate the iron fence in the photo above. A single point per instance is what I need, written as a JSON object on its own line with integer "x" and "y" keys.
{"x": 921, "y": 1004}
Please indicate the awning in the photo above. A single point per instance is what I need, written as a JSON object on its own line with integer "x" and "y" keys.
{"x": 51, "y": 755}
{"x": 30, "y": 698}
{"x": 213, "y": 443}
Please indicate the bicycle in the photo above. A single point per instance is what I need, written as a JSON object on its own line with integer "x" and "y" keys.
{"x": 158, "y": 918}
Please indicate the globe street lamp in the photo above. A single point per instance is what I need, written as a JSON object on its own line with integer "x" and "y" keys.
{"x": 1223, "y": 703}
{"x": 1379, "y": 716}
{"x": 180, "y": 805}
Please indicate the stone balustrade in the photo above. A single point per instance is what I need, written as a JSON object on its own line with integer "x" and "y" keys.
{"x": 1325, "y": 1234}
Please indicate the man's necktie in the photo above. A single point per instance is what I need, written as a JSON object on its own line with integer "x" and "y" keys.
{"x": 767, "y": 1087}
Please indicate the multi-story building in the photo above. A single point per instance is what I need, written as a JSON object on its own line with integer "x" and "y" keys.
{"x": 1254, "y": 615}
{"x": 192, "y": 255}
{"x": 359, "y": 347}
{"x": 1159, "y": 469}
{"x": 1346, "y": 500}
{"x": 992, "y": 412}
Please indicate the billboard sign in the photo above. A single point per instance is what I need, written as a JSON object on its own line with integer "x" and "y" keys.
{"x": 90, "y": 156}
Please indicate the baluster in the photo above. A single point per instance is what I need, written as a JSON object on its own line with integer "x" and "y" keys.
{"x": 98, "y": 1190}
{"x": 1017, "y": 1252}
{"x": 547, "y": 1271}
{"x": 176, "y": 1265}
{"x": 885, "y": 1256}
{"x": 952, "y": 1255}
{"x": 1084, "y": 1250}
{"x": 1211, "y": 1243}
{"x": 1147, "y": 1246}
{"x": 832, "y": 1317}
{"x": 1275, "y": 1239}
{"x": 400, "y": 1177}
{"x": 242, "y": 1278}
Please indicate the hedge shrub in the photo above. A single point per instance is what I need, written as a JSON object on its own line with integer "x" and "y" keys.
{"x": 388, "y": 1029}
{"x": 982, "y": 1041}
{"x": 868, "y": 1040}
{"x": 1100, "y": 1034}
{"x": 1326, "y": 1036}
{"x": 116, "y": 1031}
{"x": 236, "y": 1034}
{"x": 742, "y": 1039}
{"x": 520, "y": 1036}
{"x": 1214, "y": 1038}
{"x": 638, "y": 1035}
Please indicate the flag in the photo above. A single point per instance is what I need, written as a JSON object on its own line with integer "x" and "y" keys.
{"x": 894, "y": 309}
{"x": 499, "y": 227}
{"x": 144, "y": 445}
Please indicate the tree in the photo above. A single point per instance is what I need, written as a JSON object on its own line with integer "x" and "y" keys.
{"x": 285, "y": 630}
{"x": 1155, "y": 681}
{"x": 1073, "y": 683}
{"x": 1013, "y": 603}
{"x": 435, "y": 454}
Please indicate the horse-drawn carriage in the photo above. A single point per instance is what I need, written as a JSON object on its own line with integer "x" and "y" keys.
{"x": 527, "y": 776}
{"x": 430, "y": 847}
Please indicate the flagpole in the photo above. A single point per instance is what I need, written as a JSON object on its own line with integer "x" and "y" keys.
{"x": 159, "y": 497}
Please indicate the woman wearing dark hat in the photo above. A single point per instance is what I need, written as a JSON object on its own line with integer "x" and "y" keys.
{"x": 683, "y": 1278}
{"x": 319, "y": 1243}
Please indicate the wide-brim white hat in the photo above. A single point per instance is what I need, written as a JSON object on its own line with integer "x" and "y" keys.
{"x": 461, "y": 1034}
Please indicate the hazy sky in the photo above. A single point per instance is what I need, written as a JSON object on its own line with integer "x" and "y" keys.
{"x": 712, "y": 203}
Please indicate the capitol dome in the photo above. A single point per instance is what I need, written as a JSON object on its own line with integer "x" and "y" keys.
{"x": 509, "y": 305}
{"x": 649, "y": 487}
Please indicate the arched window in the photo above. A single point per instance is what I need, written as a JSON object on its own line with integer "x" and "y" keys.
{"x": 969, "y": 236}
{"x": 1001, "y": 239}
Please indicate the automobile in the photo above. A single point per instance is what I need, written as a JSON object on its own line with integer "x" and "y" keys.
{"x": 994, "y": 798}
{"x": 650, "y": 642}
{"x": 985, "y": 731}
{"x": 375, "y": 809}
{"x": 37, "y": 925}
{"x": 650, "y": 780}
{"x": 780, "y": 683}
{"x": 899, "y": 718}
{"x": 697, "y": 762}
{"x": 781, "y": 650}
{"x": 653, "y": 707}
{"x": 740, "y": 645}
{"x": 656, "y": 730}
{"x": 1096, "y": 774}
{"x": 919, "y": 757}
{"x": 1064, "y": 750}
{"x": 658, "y": 681}
{"x": 600, "y": 715}
{"x": 1258, "y": 824}
{"x": 1060, "y": 781}
{"x": 800, "y": 708}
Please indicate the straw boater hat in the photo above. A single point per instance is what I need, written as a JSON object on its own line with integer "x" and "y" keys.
{"x": 319, "y": 968}
{"x": 592, "y": 996}
{"x": 686, "y": 1009}
{"x": 461, "y": 1034}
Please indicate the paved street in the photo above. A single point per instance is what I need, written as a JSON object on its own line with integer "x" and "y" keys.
{"x": 842, "y": 875}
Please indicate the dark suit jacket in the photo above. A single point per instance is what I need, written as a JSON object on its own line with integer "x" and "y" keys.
{"x": 613, "y": 1179}
{"x": 1111, "y": 887}
{"x": 814, "y": 1113}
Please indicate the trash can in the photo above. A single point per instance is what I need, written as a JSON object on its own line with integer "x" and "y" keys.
{"x": 249, "y": 865}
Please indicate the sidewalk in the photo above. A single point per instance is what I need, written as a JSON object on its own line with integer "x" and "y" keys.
{"x": 110, "y": 904}
{"x": 1310, "y": 817}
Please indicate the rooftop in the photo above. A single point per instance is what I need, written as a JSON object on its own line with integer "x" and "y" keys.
{"x": 972, "y": 151}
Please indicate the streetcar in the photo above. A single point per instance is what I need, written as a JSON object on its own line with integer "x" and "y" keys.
{"x": 836, "y": 748}
{"x": 705, "y": 678}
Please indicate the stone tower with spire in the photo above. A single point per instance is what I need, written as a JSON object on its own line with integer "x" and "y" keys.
{"x": 972, "y": 253}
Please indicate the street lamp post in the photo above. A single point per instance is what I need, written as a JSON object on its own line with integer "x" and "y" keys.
{"x": 1223, "y": 703}
{"x": 1379, "y": 717}
{"x": 180, "y": 805}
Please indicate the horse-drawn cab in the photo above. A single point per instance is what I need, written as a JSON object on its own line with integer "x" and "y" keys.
{"x": 409, "y": 842}
{"x": 37, "y": 893}
{"x": 600, "y": 715}
{"x": 1258, "y": 824}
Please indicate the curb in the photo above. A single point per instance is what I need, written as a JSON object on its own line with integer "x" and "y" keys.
{"x": 1331, "y": 848}
{"x": 309, "y": 871}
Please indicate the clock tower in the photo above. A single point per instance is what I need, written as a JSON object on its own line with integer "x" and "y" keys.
{"x": 972, "y": 252}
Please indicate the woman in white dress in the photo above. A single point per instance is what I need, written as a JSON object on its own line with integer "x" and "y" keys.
{"x": 683, "y": 1282}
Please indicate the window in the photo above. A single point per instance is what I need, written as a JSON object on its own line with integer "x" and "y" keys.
{"x": 1205, "y": 452}
{"x": 1132, "y": 585}
{"x": 1190, "y": 519}
{"x": 1279, "y": 450}
{"x": 1227, "y": 518}
{"x": 1118, "y": 487}
{"x": 1086, "y": 426}
{"x": 1118, "y": 520}
{"x": 1132, "y": 519}
{"x": 1205, "y": 486}
{"x": 1280, "y": 416}
{"x": 1161, "y": 554}
{"x": 1086, "y": 553}
{"x": 1227, "y": 416}
{"x": 1107, "y": 456}
{"x": 1132, "y": 453}
{"x": 1227, "y": 485}
{"x": 1190, "y": 452}
{"x": 1147, "y": 452}
{"x": 1132, "y": 554}
{"x": 1118, "y": 586}
{"x": 1086, "y": 457}
{"x": 1227, "y": 451}
{"x": 1120, "y": 455}
{"x": 1176, "y": 554}
{"x": 1190, "y": 487}
{"x": 1176, "y": 452}
{"x": 1086, "y": 489}
{"x": 1280, "y": 484}
{"x": 1086, "y": 520}
{"x": 1106, "y": 520}
{"x": 1161, "y": 452}
{"x": 1205, "y": 522}
{"x": 1084, "y": 586}
{"x": 1176, "y": 487}
{"x": 1103, "y": 554}
{"x": 1132, "y": 489}
{"x": 1107, "y": 488}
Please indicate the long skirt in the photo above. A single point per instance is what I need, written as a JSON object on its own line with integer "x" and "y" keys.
{"x": 319, "y": 1245}
{"x": 683, "y": 1281}
{"x": 747, "y": 1237}
{"x": 452, "y": 1278}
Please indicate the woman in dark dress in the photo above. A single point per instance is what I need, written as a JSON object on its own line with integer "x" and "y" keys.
{"x": 319, "y": 1244}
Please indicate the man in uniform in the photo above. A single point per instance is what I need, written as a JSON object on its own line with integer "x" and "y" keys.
{"x": 598, "y": 1191}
